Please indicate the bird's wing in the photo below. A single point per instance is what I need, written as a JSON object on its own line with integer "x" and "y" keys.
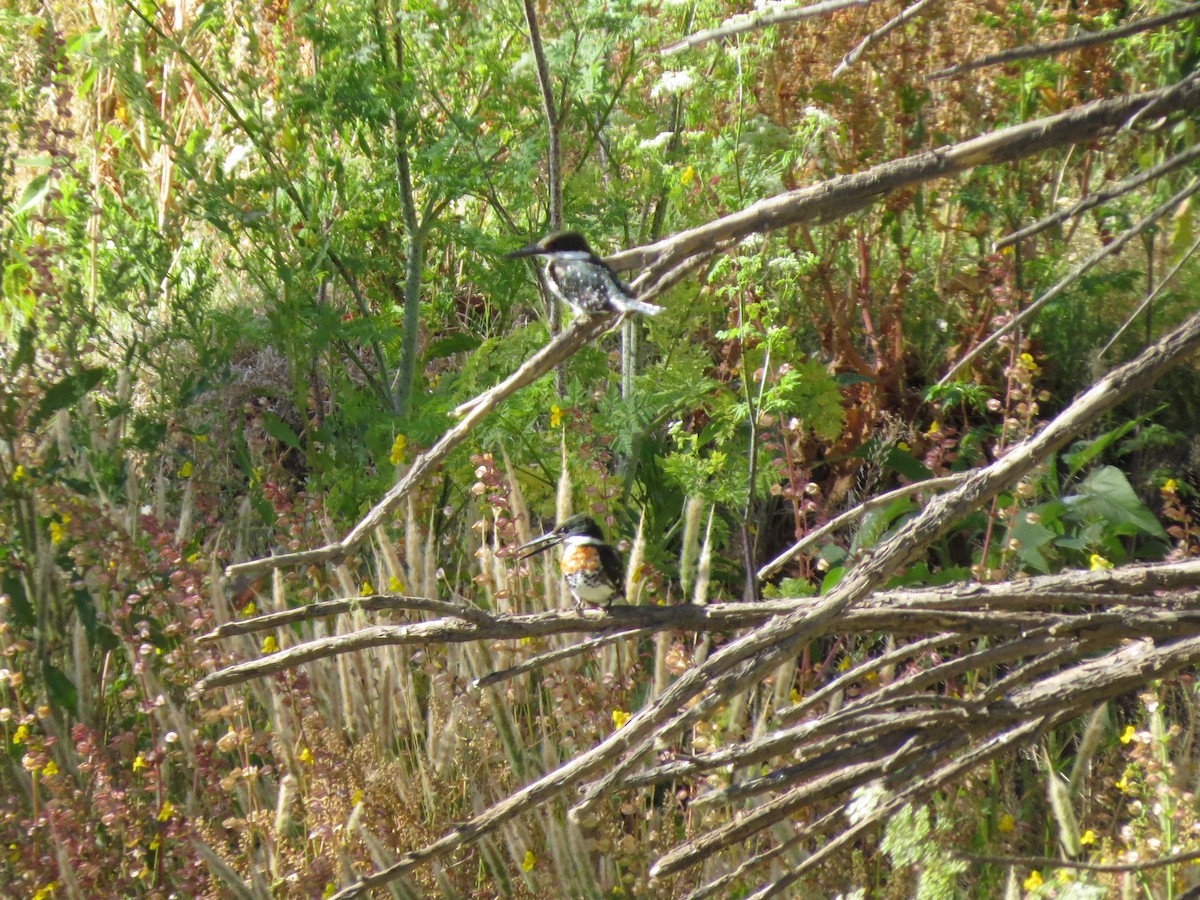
{"x": 614, "y": 569}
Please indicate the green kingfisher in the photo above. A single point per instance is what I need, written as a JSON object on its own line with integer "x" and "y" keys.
{"x": 581, "y": 279}
{"x": 592, "y": 568}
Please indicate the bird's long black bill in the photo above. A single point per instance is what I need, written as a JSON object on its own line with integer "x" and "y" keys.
{"x": 538, "y": 545}
{"x": 530, "y": 250}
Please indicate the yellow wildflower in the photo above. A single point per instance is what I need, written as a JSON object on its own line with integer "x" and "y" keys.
{"x": 165, "y": 812}
{"x": 139, "y": 763}
{"x": 1096, "y": 562}
{"x": 1005, "y": 823}
{"x": 1088, "y": 837}
{"x": 528, "y": 862}
{"x": 49, "y": 770}
{"x": 56, "y": 532}
{"x": 395, "y": 585}
{"x": 1127, "y": 734}
{"x": 687, "y": 176}
{"x": 397, "y": 454}
{"x": 249, "y": 609}
{"x": 46, "y": 892}
{"x": 366, "y": 590}
{"x": 794, "y": 696}
{"x": 555, "y": 416}
{"x": 306, "y": 756}
{"x": 186, "y": 469}
{"x": 1034, "y": 881}
{"x": 269, "y": 644}
{"x": 21, "y": 735}
{"x": 19, "y": 474}
{"x": 356, "y": 797}
{"x": 620, "y": 717}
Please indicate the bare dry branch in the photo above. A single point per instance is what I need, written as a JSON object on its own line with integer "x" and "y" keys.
{"x": 742, "y": 24}
{"x": 839, "y": 197}
{"x": 969, "y": 608}
{"x": 553, "y": 656}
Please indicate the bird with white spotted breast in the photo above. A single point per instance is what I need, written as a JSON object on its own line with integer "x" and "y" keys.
{"x": 581, "y": 279}
{"x": 591, "y": 567}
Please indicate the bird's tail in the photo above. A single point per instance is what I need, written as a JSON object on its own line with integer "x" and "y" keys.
{"x": 632, "y": 304}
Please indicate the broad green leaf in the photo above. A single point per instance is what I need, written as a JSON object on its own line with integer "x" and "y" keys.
{"x": 65, "y": 393}
{"x": 20, "y": 609}
{"x": 280, "y": 430}
{"x": 904, "y": 463}
{"x": 831, "y": 579}
{"x": 60, "y": 689}
{"x": 34, "y": 193}
{"x": 1026, "y": 538}
{"x": 1106, "y": 496}
{"x": 1078, "y": 458}
{"x": 462, "y": 342}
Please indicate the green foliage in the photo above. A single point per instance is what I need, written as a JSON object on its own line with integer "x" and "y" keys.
{"x": 251, "y": 262}
{"x": 911, "y": 840}
{"x": 1094, "y": 521}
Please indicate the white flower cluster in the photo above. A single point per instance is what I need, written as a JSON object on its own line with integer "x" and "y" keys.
{"x": 672, "y": 82}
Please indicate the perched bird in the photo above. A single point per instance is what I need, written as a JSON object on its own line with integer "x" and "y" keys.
{"x": 591, "y": 567}
{"x": 581, "y": 279}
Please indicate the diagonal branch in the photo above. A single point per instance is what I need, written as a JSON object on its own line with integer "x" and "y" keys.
{"x": 1074, "y": 275}
{"x": 1051, "y": 48}
{"x": 569, "y": 340}
{"x": 877, "y": 35}
{"x": 742, "y": 24}
{"x": 1094, "y": 199}
{"x": 839, "y": 197}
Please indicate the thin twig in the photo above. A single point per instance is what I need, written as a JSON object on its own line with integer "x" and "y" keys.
{"x": 552, "y": 656}
{"x": 1071, "y": 277}
{"x": 1094, "y": 199}
{"x": 1158, "y": 289}
{"x": 570, "y": 339}
{"x": 554, "y": 152}
{"x": 877, "y": 35}
{"x": 742, "y": 24}
{"x": 1046, "y": 862}
{"x": 1051, "y": 48}
{"x": 839, "y": 521}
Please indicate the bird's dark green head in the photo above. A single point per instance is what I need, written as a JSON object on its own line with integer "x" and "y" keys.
{"x": 556, "y": 242}
{"x": 582, "y": 525}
